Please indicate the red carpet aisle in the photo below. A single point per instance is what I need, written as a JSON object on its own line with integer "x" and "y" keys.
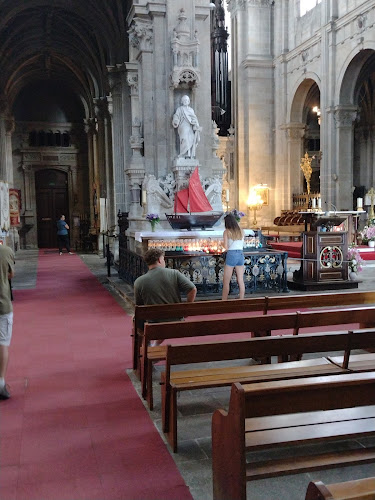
{"x": 74, "y": 427}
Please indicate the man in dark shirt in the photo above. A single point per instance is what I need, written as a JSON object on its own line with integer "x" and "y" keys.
{"x": 160, "y": 285}
{"x": 62, "y": 235}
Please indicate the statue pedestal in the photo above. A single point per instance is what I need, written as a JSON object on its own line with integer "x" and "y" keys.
{"x": 182, "y": 169}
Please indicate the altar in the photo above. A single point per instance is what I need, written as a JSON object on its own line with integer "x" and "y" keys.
{"x": 199, "y": 255}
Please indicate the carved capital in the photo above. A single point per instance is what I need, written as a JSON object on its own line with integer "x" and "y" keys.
{"x": 295, "y": 131}
{"x": 10, "y": 125}
{"x": 141, "y": 34}
{"x": 345, "y": 116}
{"x": 132, "y": 80}
{"x": 91, "y": 126}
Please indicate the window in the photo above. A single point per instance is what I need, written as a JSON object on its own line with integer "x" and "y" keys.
{"x": 306, "y": 5}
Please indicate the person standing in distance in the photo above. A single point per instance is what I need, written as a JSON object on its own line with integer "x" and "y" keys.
{"x": 62, "y": 235}
{"x": 6, "y": 314}
{"x": 160, "y": 285}
{"x": 233, "y": 243}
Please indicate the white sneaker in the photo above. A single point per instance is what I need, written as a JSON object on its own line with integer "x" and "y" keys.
{"x": 70, "y": 253}
{"x": 60, "y": 253}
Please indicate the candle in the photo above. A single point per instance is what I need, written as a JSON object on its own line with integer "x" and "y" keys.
{"x": 313, "y": 203}
{"x": 227, "y": 195}
{"x": 319, "y": 203}
{"x": 359, "y": 203}
{"x": 144, "y": 197}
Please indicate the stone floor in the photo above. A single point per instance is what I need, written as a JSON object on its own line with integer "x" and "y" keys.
{"x": 196, "y": 408}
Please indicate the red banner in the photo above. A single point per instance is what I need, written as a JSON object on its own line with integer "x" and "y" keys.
{"x": 15, "y": 207}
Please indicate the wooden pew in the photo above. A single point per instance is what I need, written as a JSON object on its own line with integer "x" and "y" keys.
{"x": 174, "y": 382}
{"x": 360, "y": 489}
{"x": 164, "y": 312}
{"x": 365, "y": 316}
{"x": 273, "y": 415}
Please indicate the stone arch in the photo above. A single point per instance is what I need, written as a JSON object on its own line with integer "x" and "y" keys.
{"x": 349, "y": 73}
{"x": 306, "y": 95}
{"x": 356, "y": 100}
{"x": 299, "y": 93}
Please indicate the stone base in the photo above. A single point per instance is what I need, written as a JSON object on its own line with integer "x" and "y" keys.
{"x": 313, "y": 286}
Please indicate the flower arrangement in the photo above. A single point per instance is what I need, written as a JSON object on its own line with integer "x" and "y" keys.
{"x": 153, "y": 219}
{"x": 237, "y": 214}
{"x": 355, "y": 260}
{"x": 368, "y": 233}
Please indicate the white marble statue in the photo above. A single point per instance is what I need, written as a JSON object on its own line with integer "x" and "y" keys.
{"x": 157, "y": 200}
{"x": 188, "y": 128}
{"x": 213, "y": 190}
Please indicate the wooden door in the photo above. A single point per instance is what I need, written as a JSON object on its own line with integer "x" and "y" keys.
{"x": 51, "y": 202}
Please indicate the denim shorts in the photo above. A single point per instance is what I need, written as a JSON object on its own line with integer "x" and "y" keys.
{"x": 234, "y": 258}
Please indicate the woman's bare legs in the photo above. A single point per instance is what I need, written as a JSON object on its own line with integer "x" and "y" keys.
{"x": 241, "y": 285}
{"x": 228, "y": 271}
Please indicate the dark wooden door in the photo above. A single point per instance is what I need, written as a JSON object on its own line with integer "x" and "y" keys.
{"x": 51, "y": 202}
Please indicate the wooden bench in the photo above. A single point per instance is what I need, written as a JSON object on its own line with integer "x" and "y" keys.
{"x": 274, "y": 415}
{"x": 365, "y": 316}
{"x": 164, "y": 312}
{"x": 174, "y": 382}
{"x": 360, "y": 489}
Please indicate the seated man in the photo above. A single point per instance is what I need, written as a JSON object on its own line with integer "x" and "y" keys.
{"x": 160, "y": 285}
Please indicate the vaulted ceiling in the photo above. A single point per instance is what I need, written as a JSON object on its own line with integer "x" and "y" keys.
{"x": 68, "y": 41}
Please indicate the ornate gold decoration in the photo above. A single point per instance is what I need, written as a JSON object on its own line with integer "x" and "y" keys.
{"x": 371, "y": 194}
{"x": 306, "y": 169}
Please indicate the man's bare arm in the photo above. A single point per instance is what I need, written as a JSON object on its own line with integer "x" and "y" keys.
{"x": 190, "y": 297}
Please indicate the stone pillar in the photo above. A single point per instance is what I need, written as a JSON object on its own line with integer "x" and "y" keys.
{"x": 136, "y": 170}
{"x": 90, "y": 129}
{"x": 293, "y": 181}
{"x": 343, "y": 176}
{"x": 116, "y": 110}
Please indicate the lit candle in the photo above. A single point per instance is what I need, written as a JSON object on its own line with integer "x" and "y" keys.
{"x": 359, "y": 203}
{"x": 313, "y": 203}
{"x": 319, "y": 203}
{"x": 144, "y": 197}
{"x": 227, "y": 195}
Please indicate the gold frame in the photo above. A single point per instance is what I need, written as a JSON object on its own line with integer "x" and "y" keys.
{"x": 262, "y": 191}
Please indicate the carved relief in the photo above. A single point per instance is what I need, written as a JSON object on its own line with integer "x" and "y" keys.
{"x": 361, "y": 21}
{"x": 141, "y": 34}
{"x": 185, "y": 52}
{"x": 132, "y": 79}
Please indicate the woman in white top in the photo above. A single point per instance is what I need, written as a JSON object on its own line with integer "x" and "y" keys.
{"x": 233, "y": 243}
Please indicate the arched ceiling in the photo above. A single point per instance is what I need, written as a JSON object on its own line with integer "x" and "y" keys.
{"x": 71, "y": 41}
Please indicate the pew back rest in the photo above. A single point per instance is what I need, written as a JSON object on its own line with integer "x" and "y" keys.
{"x": 166, "y": 311}
{"x": 287, "y": 321}
{"x": 259, "y": 347}
{"x": 304, "y": 395}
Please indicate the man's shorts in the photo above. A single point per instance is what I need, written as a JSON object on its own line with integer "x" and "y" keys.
{"x": 6, "y": 324}
{"x": 234, "y": 258}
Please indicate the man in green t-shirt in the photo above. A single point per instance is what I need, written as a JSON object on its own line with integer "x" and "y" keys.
{"x": 160, "y": 285}
{"x": 6, "y": 314}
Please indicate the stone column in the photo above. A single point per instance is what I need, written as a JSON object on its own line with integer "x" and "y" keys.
{"x": 141, "y": 39}
{"x": 343, "y": 176}
{"x": 293, "y": 181}
{"x": 90, "y": 129}
{"x": 9, "y": 129}
{"x": 116, "y": 110}
{"x": 136, "y": 170}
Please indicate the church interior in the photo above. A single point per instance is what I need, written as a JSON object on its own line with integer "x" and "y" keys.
{"x": 145, "y": 123}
